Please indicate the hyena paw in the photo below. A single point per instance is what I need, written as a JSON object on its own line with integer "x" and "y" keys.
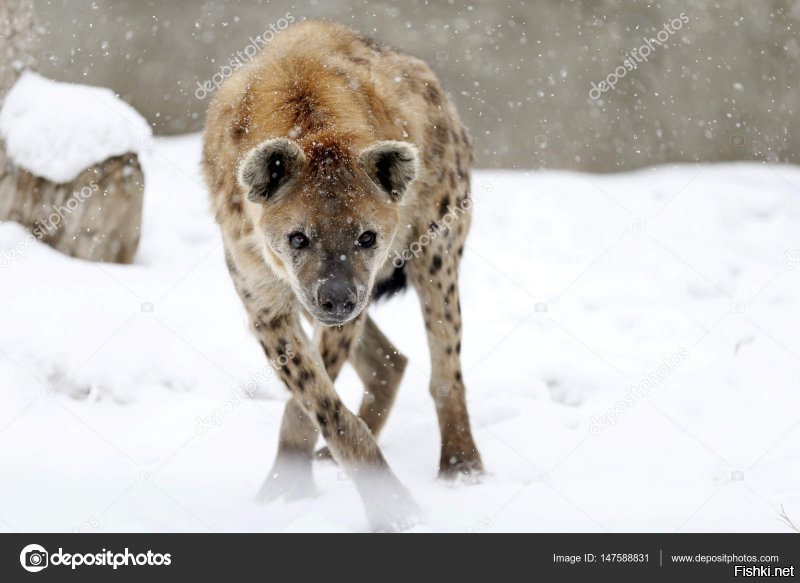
{"x": 460, "y": 466}
{"x": 291, "y": 480}
{"x": 324, "y": 454}
{"x": 396, "y": 512}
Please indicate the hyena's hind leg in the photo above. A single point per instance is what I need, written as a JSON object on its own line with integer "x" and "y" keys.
{"x": 291, "y": 474}
{"x": 380, "y": 367}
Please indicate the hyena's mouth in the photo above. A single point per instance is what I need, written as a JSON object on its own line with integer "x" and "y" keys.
{"x": 333, "y": 317}
{"x": 336, "y": 309}
{"x": 334, "y": 322}
{"x": 337, "y": 319}
{"x": 329, "y": 320}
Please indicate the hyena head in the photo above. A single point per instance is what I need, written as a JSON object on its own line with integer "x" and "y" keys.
{"x": 327, "y": 216}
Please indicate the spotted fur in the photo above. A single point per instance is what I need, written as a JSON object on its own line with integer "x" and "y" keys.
{"x": 365, "y": 134}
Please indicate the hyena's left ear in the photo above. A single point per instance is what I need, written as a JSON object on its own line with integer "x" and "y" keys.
{"x": 269, "y": 166}
{"x": 391, "y": 165}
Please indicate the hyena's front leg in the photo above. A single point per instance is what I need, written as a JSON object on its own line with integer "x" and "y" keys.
{"x": 378, "y": 364}
{"x": 291, "y": 474}
{"x": 435, "y": 277}
{"x": 389, "y": 505}
{"x": 335, "y": 344}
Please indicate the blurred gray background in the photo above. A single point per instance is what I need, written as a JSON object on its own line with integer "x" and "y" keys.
{"x": 724, "y": 87}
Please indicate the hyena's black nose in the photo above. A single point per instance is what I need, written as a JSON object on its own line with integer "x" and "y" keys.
{"x": 336, "y": 298}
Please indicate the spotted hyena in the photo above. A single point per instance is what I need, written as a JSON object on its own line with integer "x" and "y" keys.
{"x": 329, "y": 157}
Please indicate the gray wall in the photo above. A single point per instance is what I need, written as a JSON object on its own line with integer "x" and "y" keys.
{"x": 724, "y": 87}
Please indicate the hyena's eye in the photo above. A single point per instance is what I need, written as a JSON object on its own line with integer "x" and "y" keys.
{"x": 298, "y": 240}
{"x": 367, "y": 239}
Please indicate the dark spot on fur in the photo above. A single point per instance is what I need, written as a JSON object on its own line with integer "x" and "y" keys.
{"x": 242, "y": 119}
{"x": 235, "y": 204}
{"x": 373, "y": 44}
{"x": 238, "y": 131}
{"x": 433, "y": 96}
{"x": 393, "y": 285}
{"x": 231, "y": 265}
{"x": 437, "y": 263}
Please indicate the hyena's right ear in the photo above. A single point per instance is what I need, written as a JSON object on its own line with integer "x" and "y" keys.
{"x": 269, "y": 166}
{"x": 391, "y": 165}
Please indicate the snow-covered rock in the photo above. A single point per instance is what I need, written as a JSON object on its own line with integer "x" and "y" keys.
{"x": 57, "y": 130}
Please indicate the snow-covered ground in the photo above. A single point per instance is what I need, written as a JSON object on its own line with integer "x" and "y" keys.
{"x": 668, "y": 296}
